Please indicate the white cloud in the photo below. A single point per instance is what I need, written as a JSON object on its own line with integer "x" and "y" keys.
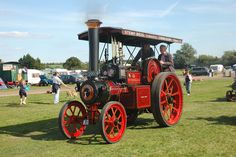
{"x": 17, "y": 34}
{"x": 14, "y": 34}
{"x": 169, "y": 9}
{"x": 123, "y": 15}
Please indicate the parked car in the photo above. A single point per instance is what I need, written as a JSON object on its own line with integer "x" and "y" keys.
{"x": 234, "y": 67}
{"x": 198, "y": 71}
{"x": 74, "y": 78}
{"x": 44, "y": 81}
{"x": 217, "y": 68}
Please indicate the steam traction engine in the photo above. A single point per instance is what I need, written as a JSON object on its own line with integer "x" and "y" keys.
{"x": 114, "y": 93}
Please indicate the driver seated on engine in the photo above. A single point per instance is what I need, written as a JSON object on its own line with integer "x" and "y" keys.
{"x": 166, "y": 60}
{"x": 145, "y": 52}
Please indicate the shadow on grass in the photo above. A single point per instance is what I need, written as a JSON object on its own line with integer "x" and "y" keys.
{"x": 91, "y": 136}
{"x": 41, "y": 103}
{"x": 144, "y": 123}
{"x": 39, "y": 130}
{"x": 222, "y": 120}
{"x": 48, "y": 130}
{"x": 14, "y": 105}
{"x": 219, "y": 100}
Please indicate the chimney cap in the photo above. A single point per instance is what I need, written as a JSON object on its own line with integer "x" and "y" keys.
{"x": 93, "y": 23}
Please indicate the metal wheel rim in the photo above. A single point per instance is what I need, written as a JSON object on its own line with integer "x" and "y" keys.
{"x": 72, "y": 120}
{"x": 114, "y": 122}
{"x": 171, "y": 101}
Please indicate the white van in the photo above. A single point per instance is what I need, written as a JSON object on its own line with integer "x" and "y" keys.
{"x": 61, "y": 71}
{"x": 33, "y": 76}
{"x": 217, "y": 68}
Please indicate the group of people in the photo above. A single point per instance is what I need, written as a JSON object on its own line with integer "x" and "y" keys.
{"x": 57, "y": 82}
{"x": 166, "y": 61}
{"x": 145, "y": 52}
{"x": 164, "y": 58}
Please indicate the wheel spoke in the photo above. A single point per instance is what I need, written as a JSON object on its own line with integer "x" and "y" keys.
{"x": 174, "y": 102}
{"x": 170, "y": 83}
{"x": 166, "y": 84}
{"x": 168, "y": 115}
{"x": 79, "y": 112}
{"x": 70, "y": 110}
{"x": 106, "y": 127}
{"x": 119, "y": 116}
{"x": 108, "y": 121}
{"x": 115, "y": 111}
{"x": 163, "y": 93}
{"x": 108, "y": 116}
{"x": 166, "y": 107}
{"x": 174, "y": 94}
{"x": 66, "y": 114}
{"x": 171, "y": 89}
{"x": 74, "y": 110}
{"x": 118, "y": 129}
{"x": 112, "y": 130}
{"x": 162, "y": 102}
{"x": 174, "y": 108}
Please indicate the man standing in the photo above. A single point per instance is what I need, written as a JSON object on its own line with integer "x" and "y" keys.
{"x": 57, "y": 82}
{"x": 166, "y": 59}
{"x": 145, "y": 52}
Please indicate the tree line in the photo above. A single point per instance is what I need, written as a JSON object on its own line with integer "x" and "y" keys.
{"x": 72, "y": 63}
{"x": 185, "y": 56}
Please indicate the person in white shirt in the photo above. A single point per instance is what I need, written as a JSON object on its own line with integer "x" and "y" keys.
{"x": 188, "y": 81}
{"x": 56, "y": 83}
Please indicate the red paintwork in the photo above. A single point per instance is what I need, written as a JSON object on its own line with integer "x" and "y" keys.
{"x": 116, "y": 89}
{"x": 133, "y": 95}
{"x": 133, "y": 77}
{"x": 10, "y": 83}
{"x": 72, "y": 119}
{"x": 153, "y": 69}
{"x": 171, "y": 87}
{"x": 143, "y": 96}
{"x": 138, "y": 97}
{"x": 114, "y": 122}
{"x": 93, "y": 113}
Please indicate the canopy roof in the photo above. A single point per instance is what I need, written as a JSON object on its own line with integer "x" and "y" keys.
{"x": 130, "y": 37}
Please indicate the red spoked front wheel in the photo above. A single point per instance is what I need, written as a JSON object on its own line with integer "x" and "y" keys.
{"x": 71, "y": 119}
{"x": 167, "y": 99}
{"x": 113, "y": 122}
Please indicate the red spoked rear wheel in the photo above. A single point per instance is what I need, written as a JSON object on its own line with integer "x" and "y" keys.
{"x": 113, "y": 121}
{"x": 151, "y": 68}
{"x": 167, "y": 99}
{"x": 71, "y": 119}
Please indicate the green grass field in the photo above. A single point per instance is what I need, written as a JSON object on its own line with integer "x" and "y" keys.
{"x": 207, "y": 128}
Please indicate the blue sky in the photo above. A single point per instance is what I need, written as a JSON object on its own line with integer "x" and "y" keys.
{"x": 48, "y": 28}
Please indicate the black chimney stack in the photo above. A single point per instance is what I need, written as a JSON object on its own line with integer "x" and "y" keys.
{"x": 93, "y": 36}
